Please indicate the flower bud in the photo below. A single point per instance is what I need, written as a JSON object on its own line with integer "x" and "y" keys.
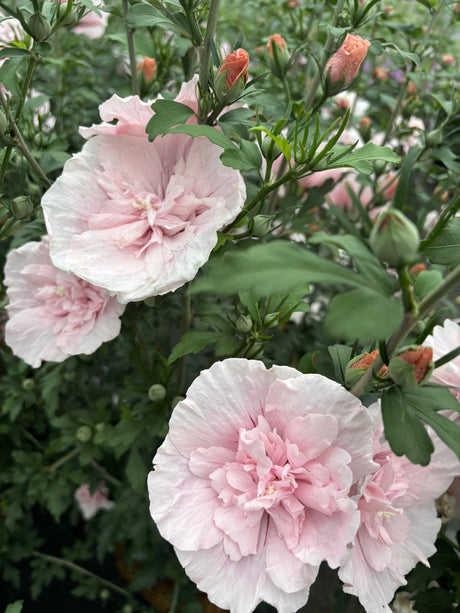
{"x": 447, "y": 59}
{"x": 234, "y": 71}
{"x": 344, "y": 64}
{"x": 262, "y": 225}
{"x": 270, "y": 150}
{"x": 412, "y": 366}
{"x": 394, "y": 238}
{"x": 39, "y": 27}
{"x": 358, "y": 366}
{"x": 147, "y": 70}
{"x": 244, "y": 324}
{"x": 4, "y": 124}
{"x": 156, "y": 392}
{"x": 271, "y": 320}
{"x": 84, "y": 434}
{"x": 28, "y": 385}
{"x": 365, "y": 127}
{"x": 22, "y": 207}
{"x": 278, "y": 56}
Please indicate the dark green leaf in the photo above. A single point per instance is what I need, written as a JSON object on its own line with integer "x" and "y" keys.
{"x": 168, "y": 113}
{"x": 363, "y": 313}
{"x": 404, "y": 432}
{"x": 426, "y": 281}
{"x": 407, "y": 166}
{"x": 215, "y": 136}
{"x": 340, "y": 355}
{"x": 193, "y": 342}
{"x": 306, "y": 364}
{"x": 136, "y": 471}
{"x": 445, "y": 247}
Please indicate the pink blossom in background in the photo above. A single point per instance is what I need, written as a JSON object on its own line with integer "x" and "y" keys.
{"x": 91, "y": 503}
{"x": 92, "y": 24}
{"x": 139, "y": 218}
{"x": 445, "y": 339}
{"x": 399, "y": 523}
{"x": 260, "y": 462}
{"x": 52, "y": 314}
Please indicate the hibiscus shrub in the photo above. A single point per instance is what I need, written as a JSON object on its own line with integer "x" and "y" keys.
{"x": 230, "y": 237}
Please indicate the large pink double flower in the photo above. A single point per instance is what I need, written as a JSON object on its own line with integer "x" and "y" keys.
{"x": 252, "y": 484}
{"x": 139, "y": 218}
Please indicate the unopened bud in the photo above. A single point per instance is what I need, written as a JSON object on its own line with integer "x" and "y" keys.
{"x": 232, "y": 76}
{"x": 358, "y": 366}
{"x": 28, "y": 385}
{"x": 156, "y": 392}
{"x": 270, "y": 149}
{"x": 343, "y": 66}
{"x": 4, "y": 124}
{"x": 394, "y": 238}
{"x": 412, "y": 366}
{"x": 434, "y": 137}
{"x": 22, "y": 207}
{"x": 262, "y": 225}
{"x": 244, "y": 324}
{"x": 84, "y": 434}
{"x": 365, "y": 127}
{"x": 39, "y": 27}
{"x": 447, "y": 59}
{"x": 271, "y": 320}
{"x": 278, "y": 56}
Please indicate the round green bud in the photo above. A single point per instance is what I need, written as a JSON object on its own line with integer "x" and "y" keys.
{"x": 127, "y": 608}
{"x": 22, "y": 207}
{"x": 270, "y": 150}
{"x": 28, "y": 385}
{"x": 256, "y": 351}
{"x": 176, "y": 401}
{"x": 39, "y": 27}
{"x": 156, "y": 392}
{"x": 394, "y": 238}
{"x": 261, "y": 225}
{"x": 271, "y": 320}
{"x": 244, "y": 324}
{"x": 104, "y": 594}
{"x": 84, "y": 434}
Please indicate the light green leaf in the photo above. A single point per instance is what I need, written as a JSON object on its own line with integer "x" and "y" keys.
{"x": 361, "y": 158}
{"x": 445, "y": 247}
{"x": 15, "y": 607}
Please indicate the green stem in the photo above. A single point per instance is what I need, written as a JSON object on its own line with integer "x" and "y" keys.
{"x": 131, "y": 52}
{"x": 33, "y": 61}
{"x": 205, "y": 52}
{"x": 63, "y": 460}
{"x": 107, "y": 476}
{"x": 408, "y": 322}
{"x": 310, "y": 90}
{"x": 406, "y": 289}
{"x": 82, "y": 571}
{"x": 174, "y": 597}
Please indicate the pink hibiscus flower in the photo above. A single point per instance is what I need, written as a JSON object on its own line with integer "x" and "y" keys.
{"x": 91, "y": 503}
{"x": 53, "y": 314}
{"x": 139, "y": 218}
{"x": 399, "y": 523}
{"x": 260, "y": 463}
{"x": 445, "y": 339}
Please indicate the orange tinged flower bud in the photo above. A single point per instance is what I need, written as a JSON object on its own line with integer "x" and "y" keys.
{"x": 412, "y": 366}
{"x": 447, "y": 59}
{"x": 276, "y": 39}
{"x": 345, "y": 62}
{"x": 358, "y": 366}
{"x": 236, "y": 64}
{"x": 417, "y": 269}
{"x": 365, "y": 361}
{"x": 148, "y": 68}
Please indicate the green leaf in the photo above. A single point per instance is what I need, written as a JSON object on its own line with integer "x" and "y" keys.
{"x": 278, "y": 266}
{"x": 402, "y": 189}
{"x": 15, "y": 607}
{"x": 369, "y": 266}
{"x": 404, "y": 432}
{"x": 363, "y": 313}
{"x": 136, "y": 471}
{"x": 306, "y": 364}
{"x": 340, "y": 355}
{"x": 193, "y": 342}
{"x": 144, "y": 15}
{"x": 361, "y": 158}
{"x": 168, "y": 113}
{"x": 215, "y": 136}
{"x": 445, "y": 247}
{"x": 9, "y": 52}
{"x": 426, "y": 281}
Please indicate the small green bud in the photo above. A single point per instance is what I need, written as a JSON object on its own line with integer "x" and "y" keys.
{"x": 277, "y": 55}
{"x": 4, "y": 123}
{"x": 39, "y": 27}
{"x": 394, "y": 238}
{"x": 256, "y": 351}
{"x": 271, "y": 320}
{"x": 127, "y": 608}
{"x": 28, "y": 385}
{"x": 270, "y": 150}
{"x": 104, "y": 594}
{"x": 100, "y": 426}
{"x": 84, "y": 434}
{"x": 22, "y": 207}
{"x": 176, "y": 400}
{"x": 156, "y": 392}
{"x": 261, "y": 225}
{"x": 435, "y": 137}
{"x": 244, "y": 324}
{"x": 412, "y": 366}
